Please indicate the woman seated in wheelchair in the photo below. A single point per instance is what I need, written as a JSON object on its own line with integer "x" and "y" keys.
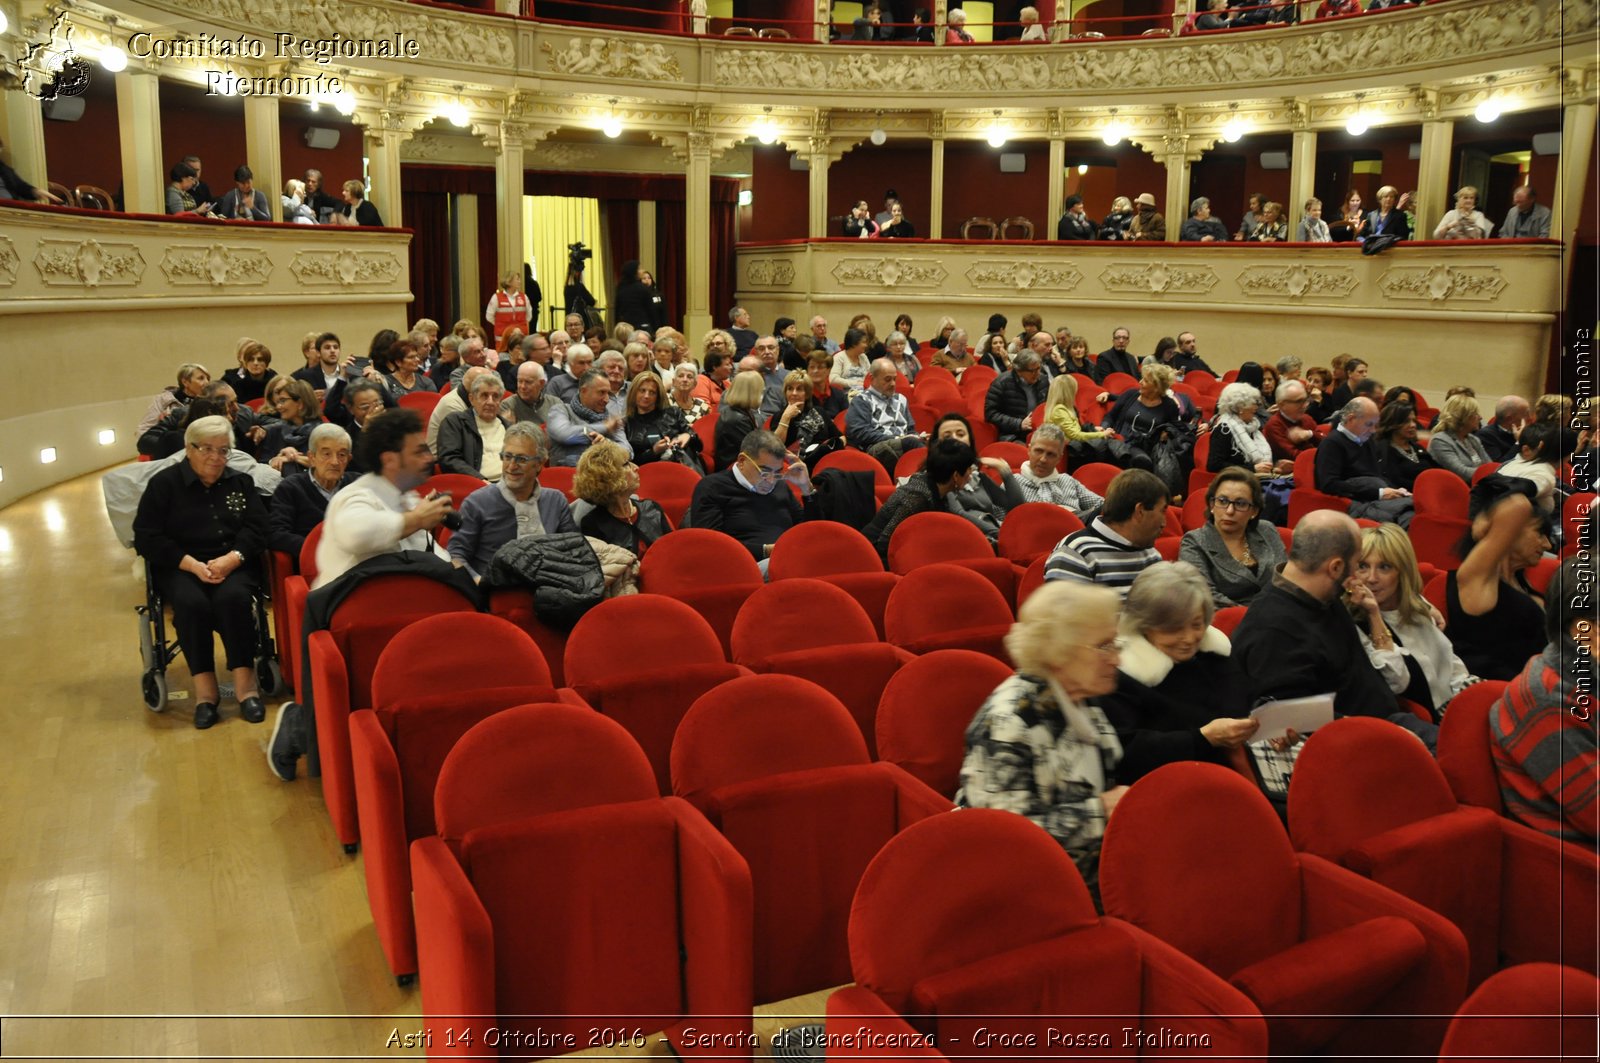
{"x": 202, "y": 528}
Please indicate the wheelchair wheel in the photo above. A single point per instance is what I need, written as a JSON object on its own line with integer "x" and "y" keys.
{"x": 269, "y": 677}
{"x": 154, "y": 688}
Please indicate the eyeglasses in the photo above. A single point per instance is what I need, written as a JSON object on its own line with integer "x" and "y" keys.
{"x": 210, "y": 452}
{"x": 509, "y": 458}
{"x": 763, "y": 471}
{"x": 1232, "y": 503}
{"x": 1108, "y": 648}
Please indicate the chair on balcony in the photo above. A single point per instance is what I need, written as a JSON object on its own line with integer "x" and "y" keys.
{"x": 774, "y": 32}
{"x": 91, "y": 197}
{"x": 1017, "y": 222}
{"x": 979, "y": 229}
{"x": 68, "y": 197}
{"x": 739, "y": 31}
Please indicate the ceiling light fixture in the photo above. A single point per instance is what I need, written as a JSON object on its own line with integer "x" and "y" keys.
{"x": 764, "y": 130}
{"x": 998, "y": 131}
{"x": 1358, "y": 123}
{"x": 456, "y": 112}
{"x": 112, "y": 58}
{"x": 878, "y": 135}
{"x": 1233, "y": 129}
{"x": 4, "y": 25}
{"x": 1490, "y": 109}
{"x": 1083, "y": 168}
{"x": 1114, "y": 132}
{"x": 611, "y": 125}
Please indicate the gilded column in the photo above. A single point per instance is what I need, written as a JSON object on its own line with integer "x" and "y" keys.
{"x": 1058, "y": 176}
{"x": 819, "y": 157}
{"x": 697, "y": 227}
{"x": 509, "y": 162}
{"x": 381, "y": 140}
{"x": 144, "y": 178}
{"x": 936, "y": 198}
{"x": 1433, "y": 169}
{"x": 263, "y": 149}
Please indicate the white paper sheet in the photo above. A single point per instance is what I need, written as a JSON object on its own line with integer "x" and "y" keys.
{"x": 1303, "y": 714}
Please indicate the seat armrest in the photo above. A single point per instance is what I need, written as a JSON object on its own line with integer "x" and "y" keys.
{"x": 860, "y": 1025}
{"x": 455, "y": 947}
{"x": 914, "y": 799}
{"x": 718, "y": 905}
{"x": 330, "y": 693}
{"x": 1182, "y": 995}
{"x": 380, "y": 806}
{"x": 1546, "y": 885}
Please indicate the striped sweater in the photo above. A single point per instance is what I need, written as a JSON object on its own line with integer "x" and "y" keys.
{"x": 1545, "y": 752}
{"x": 1097, "y": 554}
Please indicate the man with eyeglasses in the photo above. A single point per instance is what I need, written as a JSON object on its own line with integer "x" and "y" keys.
{"x": 1116, "y": 359}
{"x": 1119, "y": 543}
{"x": 517, "y": 506}
{"x": 1015, "y": 394}
{"x": 1291, "y": 430}
{"x": 750, "y": 499}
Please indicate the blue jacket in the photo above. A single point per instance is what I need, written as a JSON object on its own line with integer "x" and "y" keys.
{"x": 488, "y": 522}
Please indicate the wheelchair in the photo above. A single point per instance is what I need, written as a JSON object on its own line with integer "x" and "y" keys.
{"x": 156, "y": 651}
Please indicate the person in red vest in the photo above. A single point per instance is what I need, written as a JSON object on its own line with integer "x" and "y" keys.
{"x": 508, "y": 309}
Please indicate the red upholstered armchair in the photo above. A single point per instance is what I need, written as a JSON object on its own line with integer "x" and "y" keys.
{"x": 941, "y": 607}
{"x": 779, "y": 767}
{"x": 926, "y": 708}
{"x": 710, "y": 572}
{"x": 1466, "y": 754}
{"x": 295, "y": 588}
{"x": 1195, "y": 855}
{"x": 642, "y": 660}
{"x": 980, "y": 921}
{"x": 945, "y": 538}
{"x": 1304, "y": 497}
{"x": 563, "y": 894}
{"x": 421, "y": 707}
{"x": 1366, "y": 794}
{"x": 341, "y": 661}
{"x": 1532, "y": 1011}
{"x": 1033, "y": 529}
{"x": 838, "y": 554}
{"x": 814, "y": 630}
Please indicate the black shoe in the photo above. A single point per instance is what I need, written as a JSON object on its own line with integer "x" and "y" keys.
{"x": 283, "y": 748}
{"x": 252, "y": 709}
{"x": 205, "y": 714}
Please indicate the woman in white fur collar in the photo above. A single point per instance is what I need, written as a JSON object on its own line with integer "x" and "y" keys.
{"x": 1236, "y": 437}
{"x": 1179, "y": 695}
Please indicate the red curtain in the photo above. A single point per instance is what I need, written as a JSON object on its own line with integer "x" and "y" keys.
{"x": 669, "y": 257}
{"x": 622, "y": 234}
{"x": 427, "y": 214}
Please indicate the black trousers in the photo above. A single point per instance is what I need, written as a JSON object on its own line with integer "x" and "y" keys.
{"x": 202, "y": 610}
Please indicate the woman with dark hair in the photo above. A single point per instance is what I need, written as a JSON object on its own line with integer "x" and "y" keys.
{"x": 992, "y": 352}
{"x": 1319, "y": 388}
{"x": 1399, "y": 457}
{"x": 405, "y": 368}
{"x": 1492, "y": 616}
{"x": 289, "y": 438}
{"x": 949, "y": 465}
{"x": 253, "y": 374}
{"x": 377, "y": 360}
{"x": 805, "y": 430}
{"x": 1163, "y": 345}
{"x": 1352, "y": 223}
{"x": 1542, "y": 447}
{"x": 656, "y": 429}
{"x": 902, "y": 325}
{"x": 1235, "y": 550}
{"x": 579, "y": 299}
{"x": 981, "y": 499}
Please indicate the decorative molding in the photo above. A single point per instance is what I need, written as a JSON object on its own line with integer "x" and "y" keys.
{"x": 1299, "y": 281}
{"x": 598, "y": 56}
{"x": 1438, "y": 284}
{"x": 9, "y": 262}
{"x": 889, "y": 272}
{"x": 346, "y": 267}
{"x": 1159, "y": 278}
{"x": 454, "y": 39}
{"x": 1023, "y": 276}
{"x": 769, "y": 272}
{"x": 88, "y": 263}
{"x": 215, "y": 265}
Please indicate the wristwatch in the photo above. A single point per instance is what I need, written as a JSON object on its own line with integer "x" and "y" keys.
{"x": 237, "y": 554}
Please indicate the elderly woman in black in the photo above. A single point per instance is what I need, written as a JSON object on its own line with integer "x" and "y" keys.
{"x": 201, "y": 526}
{"x": 1235, "y": 551}
{"x": 807, "y": 431}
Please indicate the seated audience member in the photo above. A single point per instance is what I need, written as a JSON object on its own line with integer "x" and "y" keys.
{"x": 472, "y": 353}
{"x": 656, "y": 429}
{"x": 1400, "y": 458}
{"x": 1147, "y": 224}
{"x": 1396, "y": 623}
{"x": 851, "y": 364}
{"x": 739, "y": 416}
{"x": 1490, "y": 613}
{"x": 1454, "y": 445}
{"x": 15, "y": 187}
{"x": 664, "y": 358}
{"x": 955, "y": 356}
{"x": 1214, "y": 16}
{"x": 750, "y": 499}
{"x": 1319, "y": 389}
{"x": 516, "y": 506}
{"x": 955, "y": 29}
{"x": 859, "y": 223}
{"x": 1236, "y": 436}
{"x": 1042, "y": 480}
{"x": 1015, "y": 394}
{"x": 1120, "y": 543}
{"x": 682, "y": 397}
{"x": 1075, "y": 224}
{"x": 250, "y": 379}
{"x": 801, "y": 424}
{"x": 832, "y": 400}
{"x": 981, "y": 500}
{"x": 1347, "y": 466}
{"x": 991, "y": 351}
{"x": 609, "y": 507}
{"x": 296, "y": 210}
{"x": 1298, "y": 640}
{"x": 744, "y": 337}
{"x": 1200, "y": 226}
{"x": 1236, "y": 551}
{"x": 1499, "y": 438}
{"x": 470, "y": 440}
{"x": 1252, "y": 216}
{"x": 299, "y": 502}
{"x": 1388, "y": 219}
{"x": 405, "y": 374}
{"x": 1271, "y": 228}
{"x": 166, "y": 438}
{"x": 1542, "y": 447}
{"x": 1031, "y": 30}
{"x": 580, "y": 360}
{"x": 897, "y": 348}
{"x": 202, "y": 527}
{"x": 718, "y": 369}
{"x": 325, "y": 372}
{"x": 1543, "y": 725}
{"x": 879, "y": 419}
{"x": 447, "y": 356}
{"x": 192, "y": 381}
{"x": 1186, "y": 358}
{"x": 288, "y": 438}
{"x": 1527, "y": 219}
{"x": 575, "y": 426}
{"x": 532, "y": 401}
{"x": 1116, "y": 359}
{"x": 358, "y": 210}
{"x": 897, "y": 227}
{"x": 1290, "y": 367}
{"x": 1039, "y": 746}
{"x": 180, "y": 192}
{"x": 363, "y": 401}
{"x": 243, "y": 201}
{"x": 1291, "y": 431}
{"x": 615, "y": 367}
{"x": 1334, "y": 8}
{"x": 1179, "y": 695}
{"x": 1313, "y": 230}
{"x": 948, "y": 466}
{"x": 1143, "y": 415}
{"x": 323, "y": 205}
{"x": 1466, "y": 221}
{"x": 819, "y": 335}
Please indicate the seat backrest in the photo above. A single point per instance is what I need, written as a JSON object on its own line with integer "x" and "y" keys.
{"x": 559, "y": 478}
{"x": 1016, "y": 228}
{"x": 695, "y": 558}
{"x": 1032, "y": 579}
{"x": 369, "y": 617}
{"x": 1466, "y": 748}
{"x": 757, "y": 726}
{"x": 822, "y": 548}
{"x": 308, "y": 555}
{"x": 1194, "y": 511}
{"x": 1096, "y": 476}
{"x": 1169, "y": 820}
{"x": 912, "y": 461}
{"x": 638, "y": 635}
{"x": 950, "y": 890}
{"x": 929, "y": 538}
{"x": 979, "y": 229}
{"x": 855, "y": 461}
{"x": 1013, "y": 454}
{"x": 1227, "y": 619}
{"x": 533, "y": 760}
{"x": 1117, "y": 383}
{"x": 938, "y": 598}
{"x": 1530, "y": 1011}
{"x": 1441, "y": 493}
{"x": 666, "y": 479}
{"x": 1033, "y": 529}
{"x": 1357, "y": 778}
{"x": 417, "y": 660}
{"x": 421, "y": 401}
{"x": 1435, "y": 592}
{"x": 798, "y": 614}
{"x": 1486, "y": 469}
{"x": 455, "y": 484}
{"x": 925, "y": 710}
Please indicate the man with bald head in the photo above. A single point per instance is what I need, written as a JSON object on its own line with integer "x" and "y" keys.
{"x": 878, "y": 420}
{"x": 1499, "y": 439}
{"x": 1297, "y": 639}
{"x": 454, "y": 401}
{"x": 531, "y": 401}
{"x": 1347, "y": 466}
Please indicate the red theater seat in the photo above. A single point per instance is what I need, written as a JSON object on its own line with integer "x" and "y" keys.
{"x": 945, "y": 538}
{"x": 1336, "y": 963}
{"x": 1304, "y": 497}
{"x": 1466, "y": 748}
{"x": 457, "y": 485}
{"x": 838, "y": 554}
{"x": 1533, "y": 1011}
{"x": 1096, "y": 476}
{"x": 943, "y": 607}
{"x": 1033, "y": 529}
{"x": 926, "y": 708}
{"x": 421, "y": 401}
{"x": 707, "y": 570}
{"x": 859, "y": 461}
{"x": 779, "y": 767}
{"x": 973, "y": 928}
{"x": 670, "y": 484}
{"x": 545, "y": 812}
{"x": 560, "y": 478}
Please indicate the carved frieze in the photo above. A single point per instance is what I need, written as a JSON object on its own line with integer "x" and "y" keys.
{"x": 1439, "y": 284}
{"x": 450, "y": 39}
{"x": 345, "y": 267}
{"x": 889, "y": 273}
{"x": 770, "y": 272}
{"x": 215, "y": 265}
{"x": 599, "y": 56}
{"x": 1023, "y": 276}
{"x": 88, "y": 263}
{"x": 1299, "y": 281}
{"x": 8, "y": 262}
{"x": 1158, "y": 278}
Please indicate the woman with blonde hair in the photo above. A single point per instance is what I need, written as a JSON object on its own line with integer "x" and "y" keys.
{"x": 609, "y": 508}
{"x": 805, "y": 430}
{"x": 738, "y": 417}
{"x": 508, "y": 309}
{"x": 1061, "y": 410}
{"x": 1466, "y": 221}
{"x": 1454, "y": 446}
{"x": 1271, "y": 228}
{"x": 1388, "y": 219}
{"x": 719, "y": 340}
{"x": 1115, "y": 227}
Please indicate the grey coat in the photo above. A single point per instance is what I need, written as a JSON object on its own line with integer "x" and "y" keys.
{"x": 1460, "y": 456}
{"x": 1233, "y": 583}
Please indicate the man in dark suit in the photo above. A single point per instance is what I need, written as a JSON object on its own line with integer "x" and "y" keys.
{"x": 1116, "y": 359}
